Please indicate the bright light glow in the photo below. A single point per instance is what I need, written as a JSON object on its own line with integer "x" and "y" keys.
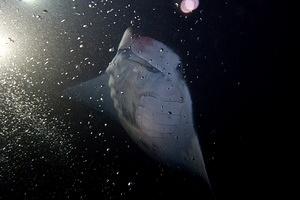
{"x": 188, "y": 6}
{"x": 28, "y": 1}
{"x": 3, "y": 51}
{"x": 4, "y": 47}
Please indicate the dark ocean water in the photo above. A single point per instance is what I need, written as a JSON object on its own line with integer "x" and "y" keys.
{"x": 55, "y": 148}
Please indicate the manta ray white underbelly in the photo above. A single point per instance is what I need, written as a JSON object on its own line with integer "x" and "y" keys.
{"x": 151, "y": 101}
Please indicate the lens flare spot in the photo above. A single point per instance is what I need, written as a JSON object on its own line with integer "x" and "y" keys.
{"x": 188, "y": 6}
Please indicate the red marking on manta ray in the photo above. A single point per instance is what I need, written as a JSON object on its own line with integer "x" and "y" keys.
{"x": 142, "y": 43}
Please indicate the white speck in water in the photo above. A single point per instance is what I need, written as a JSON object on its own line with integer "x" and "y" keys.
{"x": 112, "y": 49}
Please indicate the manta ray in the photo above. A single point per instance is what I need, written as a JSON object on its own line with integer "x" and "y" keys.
{"x": 143, "y": 89}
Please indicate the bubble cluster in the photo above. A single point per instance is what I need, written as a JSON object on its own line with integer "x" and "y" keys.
{"x": 29, "y": 129}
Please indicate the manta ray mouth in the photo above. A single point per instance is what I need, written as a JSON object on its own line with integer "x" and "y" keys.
{"x": 131, "y": 55}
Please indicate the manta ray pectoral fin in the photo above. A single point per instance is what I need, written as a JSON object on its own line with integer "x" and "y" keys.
{"x": 93, "y": 93}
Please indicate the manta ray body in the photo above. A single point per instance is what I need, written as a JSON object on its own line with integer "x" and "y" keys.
{"x": 144, "y": 90}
